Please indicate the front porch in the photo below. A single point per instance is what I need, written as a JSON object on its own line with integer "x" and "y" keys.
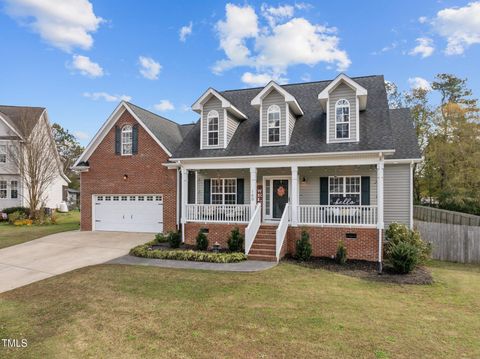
{"x": 346, "y": 199}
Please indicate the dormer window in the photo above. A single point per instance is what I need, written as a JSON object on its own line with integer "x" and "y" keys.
{"x": 127, "y": 140}
{"x": 273, "y": 114}
{"x": 342, "y": 119}
{"x": 212, "y": 128}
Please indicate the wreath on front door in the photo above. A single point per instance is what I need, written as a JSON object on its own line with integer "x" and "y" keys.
{"x": 281, "y": 191}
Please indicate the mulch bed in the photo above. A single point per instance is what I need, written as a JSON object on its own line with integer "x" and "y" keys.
{"x": 183, "y": 246}
{"x": 368, "y": 270}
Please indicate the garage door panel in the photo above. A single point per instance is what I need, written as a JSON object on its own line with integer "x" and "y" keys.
{"x": 128, "y": 213}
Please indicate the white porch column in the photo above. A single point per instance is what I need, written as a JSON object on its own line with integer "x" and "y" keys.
{"x": 380, "y": 224}
{"x": 184, "y": 199}
{"x": 294, "y": 198}
{"x": 253, "y": 189}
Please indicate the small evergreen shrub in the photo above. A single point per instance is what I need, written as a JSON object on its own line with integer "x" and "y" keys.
{"x": 303, "y": 247}
{"x": 400, "y": 233}
{"x": 403, "y": 257}
{"x": 235, "y": 241}
{"x": 16, "y": 217}
{"x": 202, "y": 241}
{"x": 174, "y": 239}
{"x": 23, "y": 210}
{"x": 341, "y": 255}
{"x": 160, "y": 238}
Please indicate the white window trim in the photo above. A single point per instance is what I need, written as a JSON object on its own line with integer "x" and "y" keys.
{"x": 213, "y": 114}
{"x": 12, "y": 188}
{"x": 122, "y": 142}
{"x": 4, "y": 153}
{"x": 4, "y": 189}
{"x": 223, "y": 189}
{"x": 343, "y": 122}
{"x": 344, "y": 192}
{"x": 271, "y": 109}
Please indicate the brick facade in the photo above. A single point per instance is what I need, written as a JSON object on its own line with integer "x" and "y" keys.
{"x": 217, "y": 232}
{"x": 325, "y": 241}
{"x": 145, "y": 172}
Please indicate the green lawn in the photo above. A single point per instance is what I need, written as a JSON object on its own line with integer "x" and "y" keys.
{"x": 11, "y": 235}
{"x": 288, "y": 311}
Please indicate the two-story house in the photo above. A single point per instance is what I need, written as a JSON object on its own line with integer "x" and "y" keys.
{"x": 326, "y": 156}
{"x": 18, "y": 124}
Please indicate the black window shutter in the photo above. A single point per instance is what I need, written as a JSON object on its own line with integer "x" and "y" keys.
{"x": 191, "y": 187}
{"x": 324, "y": 190}
{"x": 240, "y": 191}
{"x": 365, "y": 191}
{"x": 135, "y": 139}
{"x": 206, "y": 191}
{"x": 118, "y": 136}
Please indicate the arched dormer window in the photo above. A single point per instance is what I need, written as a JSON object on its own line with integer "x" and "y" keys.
{"x": 127, "y": 140}
{"x": 212, "y": 128}
{"x": 342, "y": 119}
{"x": 273, "y": 117}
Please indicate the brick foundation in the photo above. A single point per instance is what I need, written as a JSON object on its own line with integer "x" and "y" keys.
{"x": 325, "y": 241}
{"x": 217, "y": 232}
{"x": 146, "y": 174}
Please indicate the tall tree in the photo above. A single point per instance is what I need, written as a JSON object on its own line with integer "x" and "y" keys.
{"x": 69, "y": 150}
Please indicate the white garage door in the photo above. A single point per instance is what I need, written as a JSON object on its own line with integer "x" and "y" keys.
{"x": 128, "y": 213}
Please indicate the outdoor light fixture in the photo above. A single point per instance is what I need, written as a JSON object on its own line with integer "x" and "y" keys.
{"x": 216, "y": 247}
{"x": 304, "y": 179}
{"x": 125, "y": 177}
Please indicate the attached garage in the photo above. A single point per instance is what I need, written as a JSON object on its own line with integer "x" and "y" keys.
{"x": 128, "y": 213}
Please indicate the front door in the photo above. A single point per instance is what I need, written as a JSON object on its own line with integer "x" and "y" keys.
{"x": 279, "y": 197}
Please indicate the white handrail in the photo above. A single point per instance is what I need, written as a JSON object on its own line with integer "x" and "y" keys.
{"x": 282, "y": 230}
{"x": 252, "y": 228}
{"x": 337, "y": 215}
{"x": 222, "y": 213}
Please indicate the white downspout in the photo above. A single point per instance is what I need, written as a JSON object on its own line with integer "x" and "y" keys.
{"x": 380, "y": 220}
{"x": 184, "y": 198}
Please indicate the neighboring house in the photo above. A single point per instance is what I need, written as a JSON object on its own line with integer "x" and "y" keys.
{"x": 17, "y": 124}
{"x": 327, "y": 156}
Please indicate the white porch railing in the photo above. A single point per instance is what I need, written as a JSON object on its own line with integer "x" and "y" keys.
{"x": 252, "y": 228}
{"x": 224, "y": 213}
{"x": 281, "y": 232}
{"x": 337, "y": 215}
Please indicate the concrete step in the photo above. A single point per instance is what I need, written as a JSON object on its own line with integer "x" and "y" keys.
{"x": 258, "y": 257}
{"x": 263, "y": 252}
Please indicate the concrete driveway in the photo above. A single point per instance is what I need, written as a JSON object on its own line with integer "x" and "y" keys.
{"x": 62, "y": 252}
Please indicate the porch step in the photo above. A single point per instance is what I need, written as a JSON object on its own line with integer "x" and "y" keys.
{"x": 269, "y": 245}
{"x": 259, "y": 257}
{"x": 263, "y": 252}
{"x": 264, "y": 241}
{"x": 266, "y": 236}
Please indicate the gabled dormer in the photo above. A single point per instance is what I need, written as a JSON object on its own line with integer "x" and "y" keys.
{"x": 219, "y": 119}
{"x": 342, "y": 100}
{"x": 278, "y": 112}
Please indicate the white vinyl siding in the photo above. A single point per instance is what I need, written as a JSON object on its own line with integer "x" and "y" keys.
{"x": 291, "y": 124}
{"x": 274, "y": 98}
{"x": 342, "y": 92}
{"x": 397, "y": 194}
{"x": 232, "y": 125}
{"x": 213, "y": 104}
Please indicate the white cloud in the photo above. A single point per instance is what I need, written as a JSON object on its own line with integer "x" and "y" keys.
{"x": 164, "y": 105}
{"x": 286, "y": 41}
{"x": 86, "y": 67}
{"x": 185, "y": 31}
{"x": 82, "y": 136}
{"x": 149, "y": 68}
{"x": 419, "y": 83}
{"x": 106, "y": 96}
{"x": 424, "y": 47}
{"x": 186, "y": 108}
{"x": 460, "y": 26}
{"x": 260, "y": 79}
{"x": 65, "y": 24}
{"x": 422, "y": 19}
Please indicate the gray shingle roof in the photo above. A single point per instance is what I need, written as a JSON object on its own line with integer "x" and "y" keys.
{"x": 22, "y": 118}
{"x": 309, "y": 133}
{"x": 405, "y": 138}
{"x": 169, "y": 133}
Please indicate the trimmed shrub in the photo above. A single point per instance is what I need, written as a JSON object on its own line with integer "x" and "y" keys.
{"x": 400, "y": 233}
{"x": 403, "y": 257}
{"x": 187, "y": 255}
{"x": 16, "y": 216}
{"x": 174, "y": 238}
{"x": 235, "y": 241}
{"x": 303, "y": 247}
{"x": 202, "y": 241}
{"x": 23, "y": 210}
{"x": 341, "y": 255}
{"x": 160, "y": 238}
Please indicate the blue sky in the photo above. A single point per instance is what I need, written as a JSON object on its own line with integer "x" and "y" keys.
{"x": 79, "y": 58}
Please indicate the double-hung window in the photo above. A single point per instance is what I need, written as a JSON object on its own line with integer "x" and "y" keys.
{"x": 273, "y": 116}
{"x": 342, "y": 119}
{"x": 344, "y": 190}
{"x": 223, "y": 190}
{"x": 3, "y": 189}
{"x": 3, "y": 153}
{"x": 127, "y": 140}
{"x": 14, "y": 189}
{"x": 212, "y": 128}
